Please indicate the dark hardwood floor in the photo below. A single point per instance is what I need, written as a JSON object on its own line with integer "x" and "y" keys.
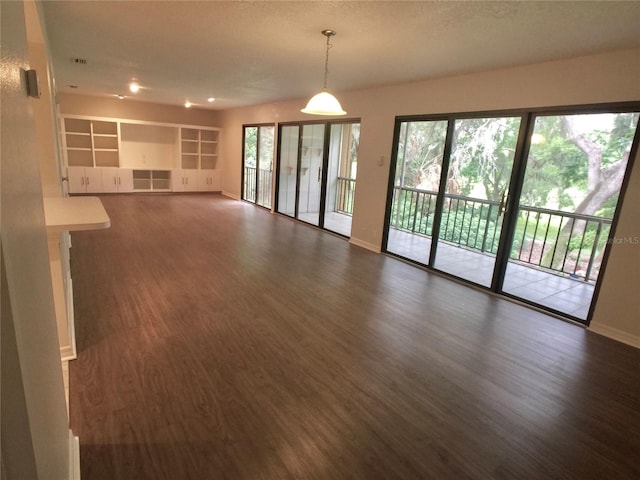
{"x": 218, "y": 341}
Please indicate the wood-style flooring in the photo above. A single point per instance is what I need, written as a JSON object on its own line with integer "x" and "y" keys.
{"x": 219, "y": 341}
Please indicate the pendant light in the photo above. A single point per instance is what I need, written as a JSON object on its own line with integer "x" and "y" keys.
{"x": 324, "y": 103}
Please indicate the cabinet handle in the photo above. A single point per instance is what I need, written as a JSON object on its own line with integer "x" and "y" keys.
{"x": 114, "y": 180}
{"x": 81, "y": 180}
{"x": 119, "y": 182}
{"x": 87, "y": 180}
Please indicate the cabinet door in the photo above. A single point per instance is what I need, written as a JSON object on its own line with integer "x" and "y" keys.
{"x": 125, "y": 180}
{"x": 190, "y": 180}
{"x": 177, "y": 181}
{"x": 208, "y": 181}
{"x": 109, "y": 179}
{"x": 215, "y": 184}
{"x": 93, "y": 180}
{"x": 204, "y": 180}
{"x": 76, "y": 179}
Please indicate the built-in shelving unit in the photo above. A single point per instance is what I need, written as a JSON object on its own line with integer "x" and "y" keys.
{"x": 152, "y": 180}
{"x": 91, "y": 143}
{"x": 198, "y": 148}
{"x": 129, "y": 155}
{"x": 209, "y": 149}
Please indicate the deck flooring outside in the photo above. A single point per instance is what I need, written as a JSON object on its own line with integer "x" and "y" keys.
{"x": 567, "y": 295}
{"x": 333, "y": 221}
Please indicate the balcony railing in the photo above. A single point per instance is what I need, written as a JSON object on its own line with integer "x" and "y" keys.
{"x": 346, "y": 188}
{"x": 562, "y": 242}
{"x": 264, "y": 186}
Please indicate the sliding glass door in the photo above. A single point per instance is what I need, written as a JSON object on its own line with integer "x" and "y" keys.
{"x": 477, "y": 183}
{"x": 341, "y": 177}
{"x": 317, "y": 165}
{"x": 520, "y": 204}
{"x": 310, "y": 173}
{"x": 257, "y": 169}
{"x": 286, "y": 188}
{"x": 574, "y": 173}
{"x": 419, "y": 153}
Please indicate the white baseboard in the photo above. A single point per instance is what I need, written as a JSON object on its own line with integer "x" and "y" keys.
{"x": 74, "y": 457}
{"x": 230, "y": 195}
{"x": 615, "y": 334}
{"x": 70, "y": 352}
{"x": 67, "y": 353}
{"x": 361, "y": 243}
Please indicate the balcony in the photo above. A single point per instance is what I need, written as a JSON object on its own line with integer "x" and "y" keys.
{"x": 554, "y": 259}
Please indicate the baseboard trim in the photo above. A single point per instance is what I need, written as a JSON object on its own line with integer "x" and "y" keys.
{"x": 74, "y": 457}
{"x": 230, "y": 195}
{"x": 67, "y": 353}
{"x": 361, "y": 243}
{"x": 615, "y": 334}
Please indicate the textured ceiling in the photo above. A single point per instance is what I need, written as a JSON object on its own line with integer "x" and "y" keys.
{"x": 245, "y": 53}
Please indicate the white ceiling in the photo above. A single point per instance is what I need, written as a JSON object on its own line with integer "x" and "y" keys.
{"x": 245, "y": 52}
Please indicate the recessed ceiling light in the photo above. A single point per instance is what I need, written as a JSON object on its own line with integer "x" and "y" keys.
{"x": 121, "y": 97}
{"x": 210, "y": 99}
{"x": 134, "y": 87}
{"x": 187, "y": 104}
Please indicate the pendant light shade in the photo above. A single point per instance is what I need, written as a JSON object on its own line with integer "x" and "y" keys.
{"x": 324, "y": 103}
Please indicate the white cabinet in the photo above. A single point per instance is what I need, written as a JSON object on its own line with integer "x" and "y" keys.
{"x": 117, "y": 179}
{"x": 208, "y": 181}
{"x": 84, "y": 180}
{"x": 114, "y": 155}
{"x": 184, "y": 180}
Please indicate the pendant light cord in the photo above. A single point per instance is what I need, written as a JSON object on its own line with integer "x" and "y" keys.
{"x": 328, "y": 34}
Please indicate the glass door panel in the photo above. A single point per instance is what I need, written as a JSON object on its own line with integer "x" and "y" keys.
{"x": 310, "y": 173}
{"x": 249, "y": 163}
{"x": 478, "y": 176}
{"x": 341, "y": 177}
{"x": 288, "y": 169}
{"x": 415, "y": 188}
{"x": 574, "y": 172}
{"x": 265, "y": 165}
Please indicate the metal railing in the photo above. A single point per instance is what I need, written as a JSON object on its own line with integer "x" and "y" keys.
{"x": 563, "y": 242}
{"x": 264, "y": 186}
{"x": 346, "y": 188}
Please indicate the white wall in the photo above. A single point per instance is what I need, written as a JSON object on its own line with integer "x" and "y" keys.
{"x": 148, "y": 147}
{"x": 34, "y": 418}
{"x": 133, "y": 110}
{"x": 602, "y": 78}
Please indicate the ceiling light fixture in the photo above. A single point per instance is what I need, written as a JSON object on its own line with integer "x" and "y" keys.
{"x": 211, "y": 99}
{"x": 187, "y": 104}
{"x": 324, "y": 103}
{"x": 134, "y": 87}
{"x": 121, "y": 97}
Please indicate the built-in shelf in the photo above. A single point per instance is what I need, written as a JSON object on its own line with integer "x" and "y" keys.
{"x": 149, "y": 156}
{"x": 199, "y": 148}
{"x": 91, "y": 143}
{"x": 151, "y": 180}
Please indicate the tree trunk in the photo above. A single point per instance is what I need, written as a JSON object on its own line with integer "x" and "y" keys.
{"x": 601, "y": 185}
